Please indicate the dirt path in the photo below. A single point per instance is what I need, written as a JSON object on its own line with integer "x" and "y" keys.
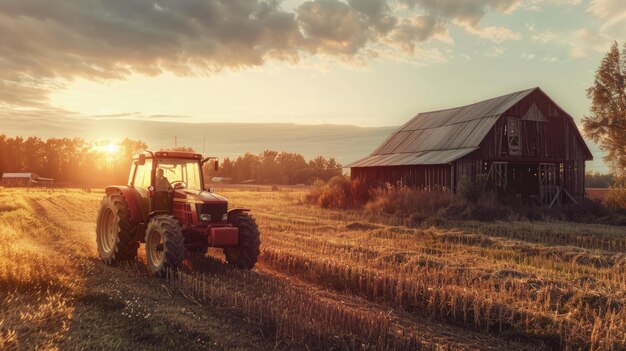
{"x": 126, "y": 308}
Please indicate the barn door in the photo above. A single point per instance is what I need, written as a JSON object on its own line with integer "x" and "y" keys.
{"x": 498, "y": 175}
{"x": 547, "y": 182}
{"x": 513, "y": 135}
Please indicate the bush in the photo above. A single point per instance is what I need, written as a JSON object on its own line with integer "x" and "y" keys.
{"x": 488, "y": 208}
{"x": 339, "y": 193}
{"x": 472, "y": 189}
{"x": 407, "y": 202}
{"x": 616, "y": 198}
{"x": 315, "y": 191}
{"x": 421, "y": 207}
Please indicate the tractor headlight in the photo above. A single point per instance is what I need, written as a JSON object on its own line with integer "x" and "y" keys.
{"x": 205, "y": 217}
{"x": 224, "y": 217}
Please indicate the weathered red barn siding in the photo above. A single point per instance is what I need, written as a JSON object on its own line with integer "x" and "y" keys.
{"x": 555, "y": 141}
{"x": 437, "y": 149}
{"x": 425, "y": 177}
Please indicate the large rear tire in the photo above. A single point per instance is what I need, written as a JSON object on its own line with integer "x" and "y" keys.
{"x": 165, "y": 245}
{"x": 246, "y": 253}
{"x": 115, "y": 232}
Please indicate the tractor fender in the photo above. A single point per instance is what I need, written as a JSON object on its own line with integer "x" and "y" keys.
{"x": 236, "y": 211}
{"x": 154, "y": 214}
{"x": 132, "y": 199}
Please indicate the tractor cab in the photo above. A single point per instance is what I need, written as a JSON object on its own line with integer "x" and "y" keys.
{"x": 166, "y": 177}
{"x": 167, "y": 206}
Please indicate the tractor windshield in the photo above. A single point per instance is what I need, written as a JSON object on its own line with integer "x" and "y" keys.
{"x": 181, "y": 171}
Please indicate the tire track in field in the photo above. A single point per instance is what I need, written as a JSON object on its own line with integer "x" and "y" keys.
{"x": 126, "y": 308}
{"x": 456, "y": 338}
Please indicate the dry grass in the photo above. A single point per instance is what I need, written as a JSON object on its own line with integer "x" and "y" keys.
{"x": 328, "y": 279}
{"x": 616, "y": 198}
{"x": 35, "y": 282}
{"x": 494, "y": 277}
{"x": 55, "y": 295}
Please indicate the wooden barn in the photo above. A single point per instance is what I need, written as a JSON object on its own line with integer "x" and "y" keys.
{"x": 522, "y": 143}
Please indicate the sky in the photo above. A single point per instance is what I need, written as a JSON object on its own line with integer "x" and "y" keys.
{"x": 369, "y": 63}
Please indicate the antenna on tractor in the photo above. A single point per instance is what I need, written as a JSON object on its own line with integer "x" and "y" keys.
{"x": 204, "y": 144}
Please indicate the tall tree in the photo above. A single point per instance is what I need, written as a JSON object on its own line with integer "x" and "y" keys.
{"x": 606, "y": 125}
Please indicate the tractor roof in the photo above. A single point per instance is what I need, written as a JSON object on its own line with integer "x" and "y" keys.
{"x": 173, "y": 154}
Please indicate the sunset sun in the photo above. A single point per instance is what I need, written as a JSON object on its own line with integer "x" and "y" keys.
{"x": 107, "y": 148}
{"x": 110, "y": 148}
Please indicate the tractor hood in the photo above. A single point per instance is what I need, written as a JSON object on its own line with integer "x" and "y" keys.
{"x": 198, "y": 196}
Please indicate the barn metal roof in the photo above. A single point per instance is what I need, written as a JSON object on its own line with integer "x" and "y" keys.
{"x": 440, "y": 137}
{"x": 435, "y": 157}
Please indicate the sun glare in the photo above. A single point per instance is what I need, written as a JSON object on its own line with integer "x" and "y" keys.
{"x": 110, "y": 148}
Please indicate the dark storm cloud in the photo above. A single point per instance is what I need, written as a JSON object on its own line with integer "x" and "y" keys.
{"x": 44, "y": 44}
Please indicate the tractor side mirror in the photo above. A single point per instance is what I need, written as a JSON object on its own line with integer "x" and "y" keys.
{"x": 217, "y": 165}
{"x": 141, "y": 160}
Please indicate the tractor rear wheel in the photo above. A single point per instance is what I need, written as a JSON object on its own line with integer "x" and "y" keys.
{"x": 115, "y": 232}
{"x": 246, "y": 253}
{"x": 165, "y": 244}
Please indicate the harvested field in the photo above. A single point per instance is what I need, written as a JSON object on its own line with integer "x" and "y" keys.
{"x": 598, "y": 194}
{"x": 326, "y": 280}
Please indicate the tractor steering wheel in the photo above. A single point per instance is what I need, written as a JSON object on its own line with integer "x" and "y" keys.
{"x": 180, "y": 184}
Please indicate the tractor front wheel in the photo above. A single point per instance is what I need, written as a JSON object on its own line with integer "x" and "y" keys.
{"x": 165, "y": 244}
{"x": 115, "y": 232}
{"x": 246, "y": 253}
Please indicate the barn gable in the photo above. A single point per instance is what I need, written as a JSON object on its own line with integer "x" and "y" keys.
{"x": 522, "y": 141}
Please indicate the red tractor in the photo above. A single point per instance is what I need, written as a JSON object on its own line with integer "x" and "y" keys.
{"x": 166, "y": 206}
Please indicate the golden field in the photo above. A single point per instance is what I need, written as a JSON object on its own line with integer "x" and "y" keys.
{"x": 326, "y": 280}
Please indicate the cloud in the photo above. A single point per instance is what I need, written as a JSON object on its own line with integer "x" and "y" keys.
{"x": 494, "y": 34}
{"x": 469, "y": 13}
{"x": 584, "y": 40}
{"x": 534, "y": 5}
{"x": 580, "y": 41}
{"x": 377, "y": 13}
{"x": 332, "y": 27}
{"x": 411, "y": 31}
{"x": 464, "y": 11}
{"x": 45, "y": 44}
{"x": 495, "y": 51}
{"x": 613, "y": 12}
{"x": 110, "y": 39}
{"x": 547, "y": 37}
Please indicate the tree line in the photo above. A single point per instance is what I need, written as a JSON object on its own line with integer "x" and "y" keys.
{"x": 78, "y": 162}
{"x": 274, "y": 167}
{"x": 69, "y": 161}
{"x": 599, "y": 180}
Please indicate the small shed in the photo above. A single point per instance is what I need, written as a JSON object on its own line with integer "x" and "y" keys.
{"x": 25, "y": 180}
{"x": 522, "y": 143}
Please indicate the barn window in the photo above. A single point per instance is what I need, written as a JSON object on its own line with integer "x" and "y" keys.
{"x": 513, "y": 136}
